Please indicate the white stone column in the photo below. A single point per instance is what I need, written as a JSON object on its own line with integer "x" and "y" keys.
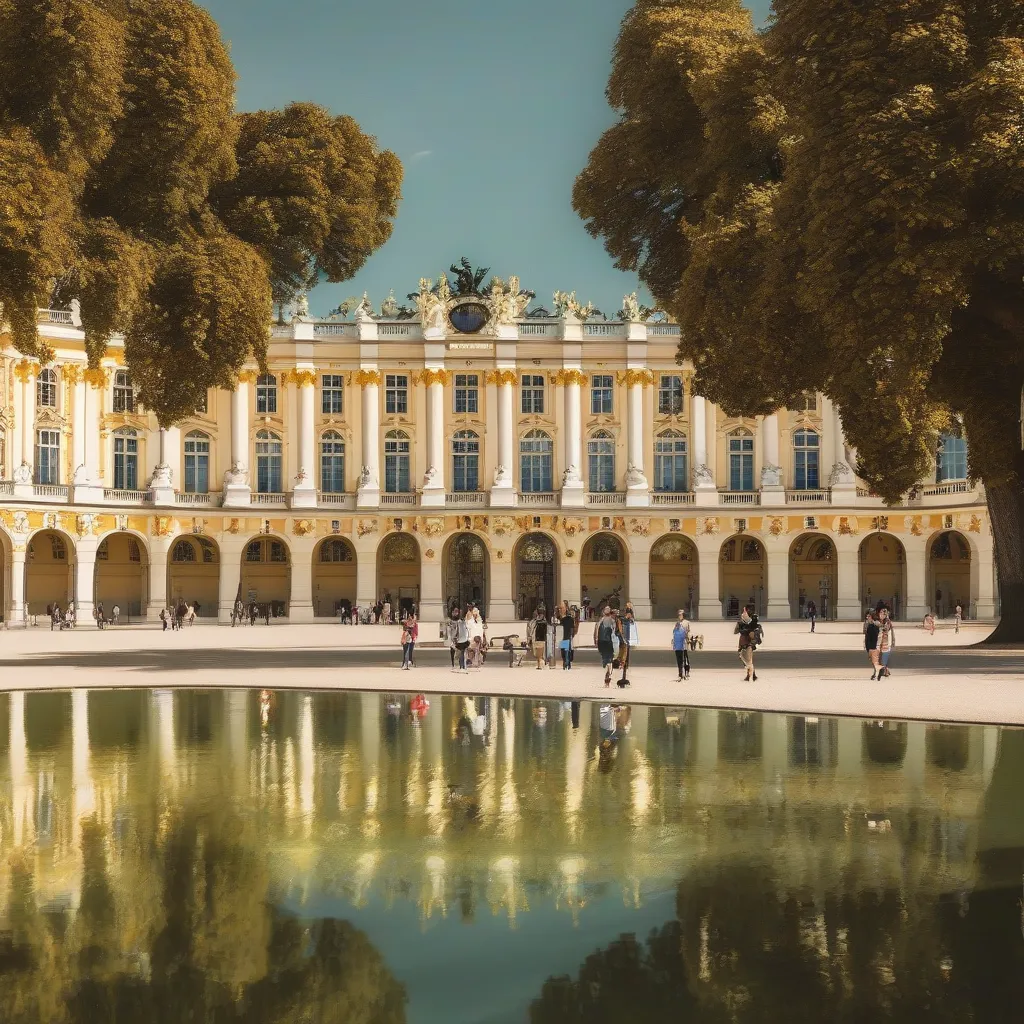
{"x": 501, "y": 606}
{"x": 368, "y": 495}
{"x": 88, "y": 480}
{"x": 433, "y": 494}
{"x": 702, "y": 481}
{"x": 230, "y": 576}
{"x": 159, "y": 554}
{"x": 848, "y": 598}
{"x": 162, "y": 484}
{"x": 237, "y": 488}
{"x": 982, "y": 558}
{"x": 78, "y": 421}
{"x": 18, "y": 616}
{"x": 300, "y": 604}
{"x": 503, "y": 490}
{"x": 638, "y": 490}
{"x": 85, "y": 574}
{"x": 709, "y": 605}
{"x": 916, "y": 601}
{"x": 431, "y": 597}
{"x": 841, "y": 477}
{"x": 366, "y": 577}
{"x": 638, "y": 578}
{"x": 304, "y": 493}
{"x": 570, "y": 582}
{"x": 573, "y": 492}
{"x": 777, "y": 583}
{"x": 28, "y": 405}
{"x": 23, "y": 460}
{"x": 772, "y": 490}
{"x": 711, "y": 433}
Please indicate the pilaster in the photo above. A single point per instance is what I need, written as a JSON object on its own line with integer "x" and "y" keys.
{"x": 85, "y": 575}
{"x": 159, "y": 555}
{"x": 709, "y": 606}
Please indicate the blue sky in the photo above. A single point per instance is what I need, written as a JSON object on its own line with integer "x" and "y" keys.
{"x": 491, "y": 107}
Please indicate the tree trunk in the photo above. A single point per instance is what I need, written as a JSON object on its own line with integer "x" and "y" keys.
{"x": 1006, "y": 513}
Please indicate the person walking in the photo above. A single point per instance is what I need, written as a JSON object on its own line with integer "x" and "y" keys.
{"x": 958, "y": 617}
{"x": 567, "y": 625}
{"x": 451, "y": 630}
{"x": 680, "y": 637}
{"x": 812, "y": 613}
{"x": 410, "y": 633}
{"x": 604, "y": 641}
{"x": 871, "y": 642}
{"x": 116, "y": 613}
{"x": 750, "y": 633}
{"x": 461, "y": 639}
{"x": 886, "y": 640}
{"x": 539, "y": 637}
{"x": 477, "y": 638}
{"x": 929, "y": 622}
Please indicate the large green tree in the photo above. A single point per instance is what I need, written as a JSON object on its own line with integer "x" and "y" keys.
{"x": 836, "y": 203}
{"x": 128, "y": 182}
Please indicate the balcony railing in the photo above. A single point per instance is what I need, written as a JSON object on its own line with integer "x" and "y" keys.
{"x": 394, "y": 330}
{"x": 205, "y": 499}
{"x": 949, "y": 487}
{"x": 542, "y": 498}
{"x": 399, "y": 499}
{"x": 54, "y": 316}
{"x": 336, "y": 330}
{"x": 50, "y": 491}
{"x": 545, "y": 330}
{"x": 663, "y": 329}
{"x": 606, "y": 497}
{"x": 673, "y": 498}
{"x": 6, "y": 487}
{"x": 821, "y": 497}
{"x": 466, "y": 499}
{"x": 740, "y": 497}
{"x": 336, "y": 500}
{"x": 602, "y": 330}
{"x": 122, "y": 496}
{"x": 269, "y": 499}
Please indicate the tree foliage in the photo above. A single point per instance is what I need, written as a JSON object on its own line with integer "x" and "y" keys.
{"x": 128, "y": 182}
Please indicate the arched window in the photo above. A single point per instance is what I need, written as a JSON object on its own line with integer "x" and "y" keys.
{"x": 601, "y": 461}
{"x": 126, "y": 459}
{"x": 396, "y": 462}
{"x": 254, "y": 551}
{"x": 806, "y": 453}
{"x": 48, "y": 457}
{"x": 535, "y": 471}
{"x": 124, "y": 393}
{"x": 263, "y": 549}
{"x": 332, "y": 463}
{"x": 183, "y": 552}
{"x": 46, "y": 389}
{"x": 268, "y": 462}
{"x": 134, "y": 554}
{"x": 209, "y": 549}
{"x": 266, "y": 393}
{"x": 670, "y": 469}
{"x": 197, "y": 462}
{"x": 335, "y": 551}
{"x": 951, "y": 460}
{"x": 741, "y": 461}
{"x": 465, "y": 461}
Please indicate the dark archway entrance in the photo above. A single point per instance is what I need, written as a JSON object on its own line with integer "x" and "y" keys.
{"x": 536, "y": 562}
{"x": 466, "y": 567}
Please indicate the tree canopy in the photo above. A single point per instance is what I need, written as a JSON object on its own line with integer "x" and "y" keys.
{"x": 835, "y": 203}
{"x": 129, "y": 182}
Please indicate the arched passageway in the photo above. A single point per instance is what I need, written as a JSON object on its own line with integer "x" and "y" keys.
{"x": 398, "y": 572}
{"x": 883, "y": 573}
{"x": 536, "y": 574}
{"x": 949, "y": 574}
{"x": 334, "y": 578}
{"x": 674, "y": 579}
{"x": 122, "y": 576}
{"x": 193, "y": 575}
{"x": 812, "y": 575}
{"x": 266, "y": 575}
{"x": 5, "y": 577}
{"x": 49, "y": 571}
{"x": 741, "y": 575}
{"x": 466, "y": 569}
{"x": 603, "y": 572}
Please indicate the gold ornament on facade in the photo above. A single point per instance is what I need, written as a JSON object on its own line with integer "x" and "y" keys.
{"x": 428, "y": 377}
{"x": 619, "y": 523}
{"x": 432, "y": 526}
{"x": 365, "y": 526}
{"x": 247, "y": 377}
{"x": 304, "y": 378}
{"x": 25, "y": 371}
{"x": 303, "y": 527}
{"x": 707, "y": 526}
{"x": 974, "y": 526}
{"x": 564, "y": 377}
{"x": 913, "y": 525}
{"x": 879, "y": 522}
{"x": 570, "y": 553}
{"x": 96, "y": 377}
{"x": 234, "y": 525}
{"x": 71, "y": 372}
{"x": 845, "y": 526}
{"x": 500, "y": 377}
{"x": 84, "y": 524}
{"x": 429, "y": 553}
{"x": 163, "y": 526}
{"x": 366, "y": 378}
{"x": 777, "y": 526}
{"x": 572, "y": 525}
{"x": 645, "y": 378}
{"x": 641, "y": 527}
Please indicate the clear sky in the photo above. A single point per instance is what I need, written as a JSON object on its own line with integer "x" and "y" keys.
{"x": 492, "y": 108}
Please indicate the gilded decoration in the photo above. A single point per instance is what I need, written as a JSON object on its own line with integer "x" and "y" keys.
{"x": 879, "y": 522}
{"x": 303, "y": 527}
{"x": 304, "y": 378}
{"x": 71, "y": 372}
{"x": 429, "y": 553}
{"x": 234, "y": 525}
{"x": 248, "y": 377}
{"x": 198, "y": 524}
{"x": 619, "y": 523}
{"x": 915, "y": 525}
{"x": 480, "y": 523}
{"x": 85, "y": 524}
{"x": 570, "y": 553}
{"x": 641, "y": 527}
{"x": 96, "y": 377}
{"x": 845, "y": 526}
{"x": 777, "y": 526}
{"x": 429, "y": 377}
{"x": 572, "y": 525}
{"x": 564, "y": 377}
{"x": 366, "y": 378}
{"x": 974, "y": 526}
{"x": 365, "y": 526}
{"x": 116, "y": 354}
{"x": 163, "y": 526}
{"x": 645, "y": 378}
{"x": 432, "y": 526}
{"x": 502, "y": 526}
{"x": 25, "y": 371}
{"x": 501, "y": 377}
{"x": 707, "y": 526}
{"x": 500, "y": 555}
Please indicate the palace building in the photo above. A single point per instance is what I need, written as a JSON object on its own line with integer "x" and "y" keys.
{"x": 475, "y": 448}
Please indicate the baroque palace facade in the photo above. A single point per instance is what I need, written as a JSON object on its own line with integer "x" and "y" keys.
{"x": 471, "y": 449}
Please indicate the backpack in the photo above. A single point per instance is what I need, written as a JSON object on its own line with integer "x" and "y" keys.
{"x": 605, "y": 632}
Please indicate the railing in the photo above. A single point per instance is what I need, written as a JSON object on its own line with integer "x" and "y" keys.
{"x": 740, "y": 497}
{"x": 54, "y": 316}
{"x": 337, "y": 500}
{"x": 50, "y": 491}
{"x": 6, "y": 487}
{"x": 663, "y": 329}
{"x": 399, "y": 499}
{"x": 538, "y": 330}
{"x": 269, "y": 499}
{"x": 394, "y": 330}
{"x": 822, "y": 497}
{"x": 281, "y": 331}
{"x": 673, "y": 498}
{"x": 465, "y": 499}
{"x": 606, "y": 497}
{"x": 951, "y": 487}
{"x": 126, "y": 497}
{"x": 208, "y": 498}
{"x": 548, "y": 498}
{"x": 603, "y": 330}
{"x": 336, "y": 330}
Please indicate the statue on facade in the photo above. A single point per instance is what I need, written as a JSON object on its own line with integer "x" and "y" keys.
{"x": 389, "y": 307}
{"x": 841, "y": 474}
{"x": 301, "y": 307}
{"x": 161, "y": 476}
{"x": 23, "y": 474}
{"x": 630, "y": 309}
{"x": 702, "y": 476}
{"x": 566, "y": 306}
{"x": 237, "y": 475}
{"x": 366, "y": 479}
{"x": 635, "y": 476}
{"x": 571, "y": 477}
{"x": 771, "y": 476}
{"x": 431, "y": 305}
{"x": 430, "y": 478}
{"x": 364, "y": 311}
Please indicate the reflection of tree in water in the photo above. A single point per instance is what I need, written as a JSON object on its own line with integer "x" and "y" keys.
{"x": 215, "y": 950}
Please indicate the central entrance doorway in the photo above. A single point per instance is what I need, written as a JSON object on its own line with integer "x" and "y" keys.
{"x": 465, "y": 573}
{"x": 536, "y": 565}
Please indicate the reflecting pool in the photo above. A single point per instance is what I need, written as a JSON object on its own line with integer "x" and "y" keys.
{"x": 231, "y": 855}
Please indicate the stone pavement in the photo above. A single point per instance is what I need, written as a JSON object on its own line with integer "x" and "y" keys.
{"x": 936, "y": 678}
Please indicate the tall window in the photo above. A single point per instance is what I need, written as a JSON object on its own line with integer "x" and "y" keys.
{"x": 601, "y": 390}
{"x": 268, "y": 462}
{"x": 46, "y": 389}
{"x": 670, "y": 394}
{"x": 951, "y": 461}
{"x": 533, "y": 392}
{"x": 266, "y": 393}
{"x": 48, "y": 457}
{"x": 126, "y": 460}
{"x": 332, "y": 393}
{"x": 601, "y": 461}
{"x": 124, "y": 393}
{"x": 806, "y": 454}
{"x": 396, "y": 462}
{"x": 535, "y": 463}
{"x": 741, "y": 461}
{"x": 332, "y": 463}
{"x": 670, "y": 462}
{"x": 197, "y": 462}
{"x": 465, "y": 461}
{"x": 396, "y": 393}
{"x": 467, "y": 392}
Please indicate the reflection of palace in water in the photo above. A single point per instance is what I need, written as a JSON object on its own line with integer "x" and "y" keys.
{"x": 490, "y": 803}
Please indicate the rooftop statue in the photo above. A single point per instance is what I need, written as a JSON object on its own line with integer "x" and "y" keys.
{"x": 364, "y": 311}
{"x": 566, "y": 303}
{"x": 389, "y": 307}
{"x": 630, "y": 312}
{"x": 467, "y": 280}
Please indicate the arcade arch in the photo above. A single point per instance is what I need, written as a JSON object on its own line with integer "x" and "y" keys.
{"x": 883, "y": 573}
{"x": 603, "y": 572}
{"x": 466, "y": 569}
{"x": 334, "y": 577}
{"x": 949, "y": 574}
{"x": 49, "y": 571}
{"x": 536, "y": 574}
{"x": 674, "y": 577}
{"x": 812, "y": 575}
{"x": 122, "y": 575}
{"x": 742, "y": 566}
{"x": 398, "y": 572}
{"x": 5, "y": 577}
{"x": 193, "y": 574}
{"x": 266, "y": 574}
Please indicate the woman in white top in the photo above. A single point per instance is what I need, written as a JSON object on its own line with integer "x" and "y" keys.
{"x": 476, "y": 638}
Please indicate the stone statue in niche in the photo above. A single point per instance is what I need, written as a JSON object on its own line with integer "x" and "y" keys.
{"x": 23, "y": 474}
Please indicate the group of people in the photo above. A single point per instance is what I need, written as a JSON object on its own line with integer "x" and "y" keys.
{"x": 546, "y": 634}
{"x": 241, "y": 612}
{"x": 879, "y": 639}
{"x": 67, "y": 618}
{"x": 466, "y": 635}
{"x": 178, "y": 614}
{"x": 382, "y": 613}
{"x": 615, "y": 633}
